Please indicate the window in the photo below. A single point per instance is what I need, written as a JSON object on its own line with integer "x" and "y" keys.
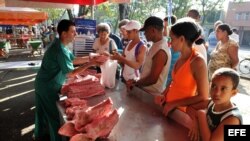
{"x": 243, "y": 16}
{"x": 247, "y": 16}
{"x": 238, "y": 15}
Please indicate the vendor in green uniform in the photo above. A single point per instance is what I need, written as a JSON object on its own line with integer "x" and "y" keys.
{"x": 57, "y": 64}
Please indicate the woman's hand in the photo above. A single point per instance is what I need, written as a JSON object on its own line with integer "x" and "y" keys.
{"x": 193, "y": 133}
{"x": 159, "y": 99}
{"x": 169, "y": 106}
{"x": 130, "y": 84}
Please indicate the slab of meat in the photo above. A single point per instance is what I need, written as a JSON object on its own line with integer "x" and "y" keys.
{"x": 102, "y": 127}
{"x": 89, "y": 79}
{"x": 70, "y": 111}
{"x": 68, "y": 129}
{"x": 86, "y": 91}
{"x": 98, "y": 57}
{"x": 75, "y": 102}
{"x": 88, "y": 72}
{"x": 83, "y": 117}
{"x": 99, "y": 128}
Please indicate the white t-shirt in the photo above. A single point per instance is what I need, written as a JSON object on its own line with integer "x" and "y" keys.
{"x": 160, "y": 85}
{"x": 105, "y": 47}
{"x": 235, "y": 37}
{"x": 201, "y": 49}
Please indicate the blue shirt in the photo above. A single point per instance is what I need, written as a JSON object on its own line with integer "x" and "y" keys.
{"x": 212, "y": 41}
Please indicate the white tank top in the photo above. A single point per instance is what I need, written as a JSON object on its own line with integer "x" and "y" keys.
{"x": 160, "y": 85}
{"x": 128, "y": 72}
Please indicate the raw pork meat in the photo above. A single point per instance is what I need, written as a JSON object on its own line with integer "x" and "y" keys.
{"x": 68, "y": 129}
{"x": 89, "y": 79}
{"x": 99, "y": 128}
{"x": 82, "y": 117}
{"x": 86, "y": 91}
{"x": 70, "y": 111}
{"x": 75, "y": 102}
{"x": 103, "y": 126}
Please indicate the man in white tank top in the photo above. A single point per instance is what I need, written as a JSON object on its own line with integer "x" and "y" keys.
{"x": 133, "y": 54}
{"x": 156, "y": 67}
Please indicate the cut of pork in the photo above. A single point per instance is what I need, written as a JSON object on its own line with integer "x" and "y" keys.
{"x": 83, "y": 117}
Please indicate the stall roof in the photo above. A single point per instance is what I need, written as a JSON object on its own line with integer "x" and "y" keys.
{"x": 23, "y": 16}
{"x": 80, "y": 2}
{"x": 34, "y": 4}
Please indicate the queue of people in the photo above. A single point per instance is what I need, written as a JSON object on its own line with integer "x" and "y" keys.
{"x": 174, "y": 69}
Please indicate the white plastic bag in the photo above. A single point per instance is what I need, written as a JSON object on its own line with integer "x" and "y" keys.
{"x": 108, "y": 70}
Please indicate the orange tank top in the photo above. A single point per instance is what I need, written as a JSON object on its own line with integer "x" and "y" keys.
{"x": 183, "y": 84}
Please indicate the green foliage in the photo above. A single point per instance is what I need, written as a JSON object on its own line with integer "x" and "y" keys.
{"x": 209, "y": 7}
{"x": 141, "y": 9}
{"x": 180, "y": 7}
{"x": 53, "y": 13}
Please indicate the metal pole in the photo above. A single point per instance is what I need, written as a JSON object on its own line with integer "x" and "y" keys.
{"x": 93, "y": 10}
{"x": 169, "y": 11}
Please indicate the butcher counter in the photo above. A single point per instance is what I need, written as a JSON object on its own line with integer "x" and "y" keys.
{"x": 140, "y": 119}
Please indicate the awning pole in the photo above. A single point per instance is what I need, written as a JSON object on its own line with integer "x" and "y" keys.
{"x": 92, "y": 9}
{"x": 92, "y": 12}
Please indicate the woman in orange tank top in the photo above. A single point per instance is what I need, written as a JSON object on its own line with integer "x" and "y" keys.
{"x": 190, "y": 77}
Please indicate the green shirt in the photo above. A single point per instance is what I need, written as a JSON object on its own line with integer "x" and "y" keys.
{"x": 56, "y": 63}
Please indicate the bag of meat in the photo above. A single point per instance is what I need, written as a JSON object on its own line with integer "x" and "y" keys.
{"x": 108, "y": 70}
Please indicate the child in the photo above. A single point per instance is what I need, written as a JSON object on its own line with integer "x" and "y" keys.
{"x": 209, "y": 124}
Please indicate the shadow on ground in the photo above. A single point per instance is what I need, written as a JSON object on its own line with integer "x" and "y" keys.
{"x": 17, "y": 105}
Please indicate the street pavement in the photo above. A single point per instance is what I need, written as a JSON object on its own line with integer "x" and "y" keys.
{"x": 17, "y": 99}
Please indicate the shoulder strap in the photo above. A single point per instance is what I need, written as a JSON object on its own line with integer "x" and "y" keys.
{"x": 137, "y": 48}
{"x": 194, "y": 55}
{"x": 110, "y": 46}
{"x": 136, "y": 54}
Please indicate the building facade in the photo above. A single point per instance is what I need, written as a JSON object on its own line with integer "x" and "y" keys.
{"x": 238, "y": 16}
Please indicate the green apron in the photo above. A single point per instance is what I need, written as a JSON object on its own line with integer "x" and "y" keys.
{"x": 56, "y": 63}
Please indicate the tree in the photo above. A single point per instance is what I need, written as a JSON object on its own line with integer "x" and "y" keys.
{"x": 123, "y": 11}
{"x": 208, "y": 7}
{"x": 53, "y": 13}
{"x": 180, "y": 7}
{"x": 84, "y": 10}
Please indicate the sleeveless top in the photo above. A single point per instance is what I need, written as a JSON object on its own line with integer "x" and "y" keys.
{"x": 160, "y": 85}
{"x": 183, "y": 84}
{"x": 219, "y": 57}
{"x": 128, "y": 72}
{"x": 215, "y": 118}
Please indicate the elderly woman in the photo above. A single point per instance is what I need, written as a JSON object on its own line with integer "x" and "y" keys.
{"x": 103, "y": 44}
{"x": 226, "y": 52}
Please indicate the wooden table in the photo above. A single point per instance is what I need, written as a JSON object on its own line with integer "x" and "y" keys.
{"x": 140, "y": 119}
